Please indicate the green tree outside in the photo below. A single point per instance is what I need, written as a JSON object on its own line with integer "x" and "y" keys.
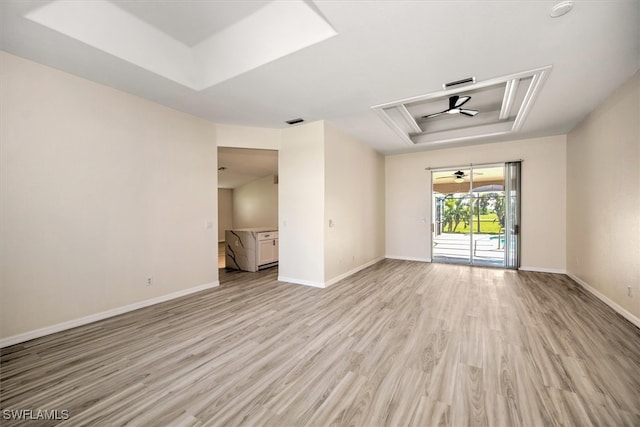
{"x": 482, "y": 214}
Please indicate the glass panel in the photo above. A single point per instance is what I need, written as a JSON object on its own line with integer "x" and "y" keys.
{"x": 451, "y": 204}
{"x": 487, "y": 216}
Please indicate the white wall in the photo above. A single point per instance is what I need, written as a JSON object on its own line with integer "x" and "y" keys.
{"x": 327, "y": 175}
{"x": 408, "y": 203}
{"x": 248, "y": 137}
{"x": 100, "y": 189}
{"x": 603, "y": 203}
{"x": 225, "y": 211}
{"x": 255, "y": 204}
{"x": 301, "y": 204}
{"x": 354, "y": 203}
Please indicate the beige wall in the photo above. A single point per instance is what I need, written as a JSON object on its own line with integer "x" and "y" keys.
{"x": 225, "y": 211}
{"x": 408, "y": 205}
{"x": 326, "y": 175}
{"x": 354, "y": 205}
{"x": 100, "y": 190}
{"x": 603, "y": 199}
{"x": 255, "y": 204}
{"x": 248, "y": 137}
{"x": 301, "y": 204}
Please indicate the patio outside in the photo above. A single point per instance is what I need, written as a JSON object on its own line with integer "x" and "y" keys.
{"x": 469, "y": 222}
{"x": 487, "y": 249}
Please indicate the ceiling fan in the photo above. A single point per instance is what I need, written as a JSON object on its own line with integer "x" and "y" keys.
{"x": 455, "y": 102}
{"x": 458, "y": 176}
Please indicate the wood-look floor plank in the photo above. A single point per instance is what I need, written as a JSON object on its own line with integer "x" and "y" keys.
{"x": 398, "y": 344}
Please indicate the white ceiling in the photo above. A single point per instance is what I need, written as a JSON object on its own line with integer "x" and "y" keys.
{"x": 244, "y": 165}
{"x": 191, "y": 24}
{"x": 369, "y": 53}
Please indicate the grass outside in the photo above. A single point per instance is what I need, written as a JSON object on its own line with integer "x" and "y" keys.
{"x": 489, "y": 224}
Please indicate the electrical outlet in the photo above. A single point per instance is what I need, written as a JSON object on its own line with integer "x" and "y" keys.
{"x": 149, "y": 281}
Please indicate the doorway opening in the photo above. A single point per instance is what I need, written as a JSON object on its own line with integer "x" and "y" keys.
{"x": 475, "y": 218}
{"x": 247, "y": 209}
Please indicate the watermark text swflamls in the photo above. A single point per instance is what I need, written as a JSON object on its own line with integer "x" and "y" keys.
{"x": 35, "y": 414}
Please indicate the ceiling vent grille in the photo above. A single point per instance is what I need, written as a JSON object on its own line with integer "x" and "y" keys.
{"x": 466, "y": 81}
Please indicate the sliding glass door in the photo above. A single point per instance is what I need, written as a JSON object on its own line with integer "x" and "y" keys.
{"x": 476, "y": 215}
{"x": 451, "y": 195}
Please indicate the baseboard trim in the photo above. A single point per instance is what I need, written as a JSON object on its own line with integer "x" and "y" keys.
{"x": 332, "y": 281}
{"x": 407, "y": 258}
{"x": 619, "y": 309}
{"x": 301, "y": 282}
{"x": 59, "y": 327}
{"x": 543, "y": 270}
{"x": 352, "y": 271}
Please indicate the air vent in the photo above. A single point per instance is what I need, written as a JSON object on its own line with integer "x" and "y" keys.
{"x": 294, "y": 121}
{"x": 467, "y": 81}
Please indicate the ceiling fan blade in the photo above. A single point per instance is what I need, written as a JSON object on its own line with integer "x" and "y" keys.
{"x": 452, "y": 101}
{"x": 464, "y": 100}
{"x": 469, "y": 113}
{"x": 455, "y": 175}
{"x": 432, "y": 115}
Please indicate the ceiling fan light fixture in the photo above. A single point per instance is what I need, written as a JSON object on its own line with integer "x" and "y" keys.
{"x": 561, "y": 8}
{"x": 458, "y": 180}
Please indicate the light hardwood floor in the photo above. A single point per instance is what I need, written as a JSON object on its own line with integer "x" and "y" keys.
{"x": 400, "y": 343}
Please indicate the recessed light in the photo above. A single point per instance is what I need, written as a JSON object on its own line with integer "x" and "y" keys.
{"x": 294, "y": 121}
{"x": 561, "y": 8}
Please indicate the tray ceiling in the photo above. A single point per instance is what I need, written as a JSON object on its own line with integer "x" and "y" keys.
{"x": 502, "y": 105}
{"x": 199, "y": 56}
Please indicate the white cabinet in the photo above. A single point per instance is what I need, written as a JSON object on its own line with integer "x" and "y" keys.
{"x": 251, "y": 249}
{"x": 267, "y": 248}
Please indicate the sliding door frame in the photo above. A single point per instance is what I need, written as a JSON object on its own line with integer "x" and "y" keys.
{"x": 512, "y": 205}
{"x": 512, "y": 202}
